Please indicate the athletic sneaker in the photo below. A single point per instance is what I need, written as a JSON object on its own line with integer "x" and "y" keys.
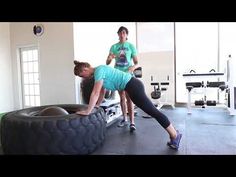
{"x": 174, "y": 143}
{"x": 132, "y": 127}
{"x": 122, "y": 123}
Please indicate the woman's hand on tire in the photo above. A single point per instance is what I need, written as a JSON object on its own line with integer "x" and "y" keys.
{"x": 84, "y": 112}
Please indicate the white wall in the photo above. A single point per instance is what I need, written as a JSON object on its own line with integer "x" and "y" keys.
{"x": 56, "y": 55}
{"x": 6, "y": 96}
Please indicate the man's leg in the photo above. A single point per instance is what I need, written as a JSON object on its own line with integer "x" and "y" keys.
{"x": 124, "y": 121}
{"x": 130, "y": 106}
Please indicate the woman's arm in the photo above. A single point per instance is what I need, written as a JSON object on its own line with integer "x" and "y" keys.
{"x": 93, "y": 98}
{"x": 101, "y": 96}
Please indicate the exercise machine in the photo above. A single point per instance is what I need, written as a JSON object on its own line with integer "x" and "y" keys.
{"x": 231, "y": 83}
{"x": 112, "y": 108}
{"x": 221, "y": 86}
{"x": 159, "y": 95}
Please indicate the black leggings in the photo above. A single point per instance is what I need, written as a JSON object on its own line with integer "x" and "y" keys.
{"x": 136, "y": 92}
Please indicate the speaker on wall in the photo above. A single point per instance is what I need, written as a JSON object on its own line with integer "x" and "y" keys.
{"x": 38, "y": 29}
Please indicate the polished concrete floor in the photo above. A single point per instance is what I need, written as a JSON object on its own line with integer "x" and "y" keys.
{"x": 209, "y": 131}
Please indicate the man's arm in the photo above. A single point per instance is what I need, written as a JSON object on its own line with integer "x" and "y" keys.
{"x": 132, "y": 68}
{"x": 110, "y": 57}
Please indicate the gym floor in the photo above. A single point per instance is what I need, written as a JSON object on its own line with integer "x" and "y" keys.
{"x": 209, "y": 131}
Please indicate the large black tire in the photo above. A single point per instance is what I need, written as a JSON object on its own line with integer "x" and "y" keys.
{"x": 24, "y": 132}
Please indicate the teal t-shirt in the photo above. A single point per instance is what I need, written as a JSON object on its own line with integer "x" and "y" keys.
{"x": 124, "y": 53}
{"x": 113, "y": 79}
